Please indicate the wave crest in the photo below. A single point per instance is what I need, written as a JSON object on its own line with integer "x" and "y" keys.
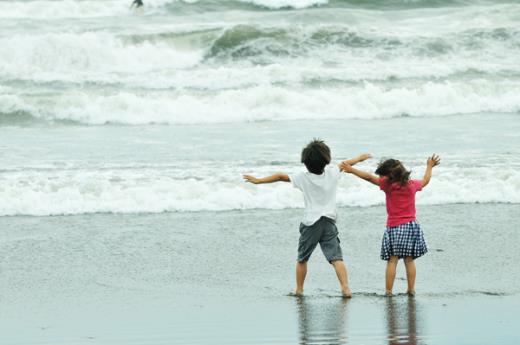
{"x": 269, "y": 103}
{"x": 149, "y": 190}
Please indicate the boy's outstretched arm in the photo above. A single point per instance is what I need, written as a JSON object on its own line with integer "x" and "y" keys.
{"x": 353, "y": 161}
{"x": 269, "y": 179}
{"x": 359, "y": 173}
{"x": 434, "y": 160}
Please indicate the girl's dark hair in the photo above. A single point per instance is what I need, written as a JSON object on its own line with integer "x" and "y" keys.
{"x": 315, "y": 156}
{"x": 394, "y": 171}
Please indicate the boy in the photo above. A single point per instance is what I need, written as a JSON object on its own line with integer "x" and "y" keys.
{"x": 319, "y": 186}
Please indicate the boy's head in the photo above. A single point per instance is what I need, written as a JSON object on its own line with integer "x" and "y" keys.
{"x": 394, "y": 170}
{"x": 315, "y": 156}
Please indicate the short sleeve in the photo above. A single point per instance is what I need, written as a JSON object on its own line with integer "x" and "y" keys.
{"x": 382, "y": 183}
{"x": 417, "y": 184}
{"x": 336, "y": 173}
{"x": 296, "y": 180}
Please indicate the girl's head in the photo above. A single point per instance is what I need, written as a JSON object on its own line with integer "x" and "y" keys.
{"x": 394, "y": 171}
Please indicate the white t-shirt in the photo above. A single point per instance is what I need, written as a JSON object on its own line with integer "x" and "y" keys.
{"x": 319, "y": 193}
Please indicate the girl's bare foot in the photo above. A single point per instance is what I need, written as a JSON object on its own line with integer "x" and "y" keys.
{"x": 346, "y": 293}
{"x": 388, "y": 293}
{"x": 411, "y": 293}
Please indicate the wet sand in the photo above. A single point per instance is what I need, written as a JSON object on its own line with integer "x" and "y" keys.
{"x": 222, "y": 278}
{"x": 275, "y": 320}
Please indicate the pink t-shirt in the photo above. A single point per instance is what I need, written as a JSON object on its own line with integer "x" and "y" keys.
{"x": 400, "y": 201}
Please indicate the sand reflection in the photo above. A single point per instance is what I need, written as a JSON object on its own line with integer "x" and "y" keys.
{"x": 322, "y": 321}
{"x": 401, "y": 317}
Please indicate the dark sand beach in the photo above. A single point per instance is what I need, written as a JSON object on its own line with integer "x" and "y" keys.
{"x": 222, "y": 278}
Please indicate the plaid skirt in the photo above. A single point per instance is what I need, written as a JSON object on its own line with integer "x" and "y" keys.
{"x": 402, "y": 241}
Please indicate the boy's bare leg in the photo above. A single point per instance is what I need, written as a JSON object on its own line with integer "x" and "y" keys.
{"x": 409, "y": 263}
{"x": 390, "y": 274}
{"x": 301, "y": 272}
{"x": 341, "y": 272}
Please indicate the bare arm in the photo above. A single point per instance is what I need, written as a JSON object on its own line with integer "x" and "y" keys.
{"x": 353, "y": 161}
{"x": 434, "y": 160}
{"x": 360, "y": 173}
{"x": 269, "y": 179}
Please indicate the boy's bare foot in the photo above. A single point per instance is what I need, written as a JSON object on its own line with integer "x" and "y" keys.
{"x": 388, "y": 293}
{"x": 346, "y": 293}
{"x": 296, "y": 293}
{"x": 411, "y": 293}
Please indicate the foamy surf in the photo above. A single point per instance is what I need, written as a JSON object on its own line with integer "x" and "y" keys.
{"x": 148, "y": 190}
{"x": 271, "y": 64}
{"x": 68, "y": 9}
{"x": 265, "y": 103}
{"x": 197, "y": 69}
{"x": 278, "y": 4}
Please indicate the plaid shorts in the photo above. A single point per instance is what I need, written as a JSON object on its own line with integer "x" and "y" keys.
{"x": 403, "y": 240}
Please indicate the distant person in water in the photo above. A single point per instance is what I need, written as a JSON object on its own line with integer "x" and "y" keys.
{"x": 137, "y": 4}
{"x": 319, "y": 185}
{"x": 403, "y": 238}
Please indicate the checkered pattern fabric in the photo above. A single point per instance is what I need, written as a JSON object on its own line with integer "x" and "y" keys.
{"x": 403, "y": 240}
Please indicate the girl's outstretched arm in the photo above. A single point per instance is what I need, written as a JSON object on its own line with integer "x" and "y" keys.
{"x": 359, "y": 173}
{"x": 434, "y": 160}
{"x": 269, "y": 179}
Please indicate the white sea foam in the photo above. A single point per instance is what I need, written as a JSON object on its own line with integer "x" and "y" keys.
{"x": 268, "y": 103}
{"x": 61, "y": 9}
{"x": 488, "y": 42}
{"x": 277, "y": 4}
{"x": 58, "y": 9}
{"x": 242, "y": 65}
{"x": 150, "y": 190}
{"x": 100, "y": 55}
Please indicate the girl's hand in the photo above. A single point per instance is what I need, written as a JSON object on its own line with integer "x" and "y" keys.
{"x": 364, "y": 156}
{"x": 434, "y": 160}
{"x": 345, "y": 167}
{"x": 251, "y": 179}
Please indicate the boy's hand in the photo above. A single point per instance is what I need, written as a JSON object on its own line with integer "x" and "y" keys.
{"x": 353, "y": 161}
{"x": 434, "y": 160}
{"x": 250, "y": 179}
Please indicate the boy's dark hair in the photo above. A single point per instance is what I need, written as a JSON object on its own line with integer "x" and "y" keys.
{"x": 394, "y": 171}
{"x": 315, "y": 156}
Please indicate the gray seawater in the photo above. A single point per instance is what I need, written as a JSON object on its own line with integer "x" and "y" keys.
{"x": 104, "y": 109}
{"x": 124, "y": 135}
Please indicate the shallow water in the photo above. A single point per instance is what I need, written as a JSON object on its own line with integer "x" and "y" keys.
{"x": 279, "y": 320}
{"x": 52, "y": 170}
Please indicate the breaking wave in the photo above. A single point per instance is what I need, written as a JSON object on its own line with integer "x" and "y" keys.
{"x": 151, "y": 190}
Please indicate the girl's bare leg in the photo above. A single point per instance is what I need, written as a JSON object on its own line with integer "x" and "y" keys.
{"x": 301, "y": 272}
{"x": 390, "y": 273}
{"x": 341, "y": 272}
{"x": 410, "y": 274}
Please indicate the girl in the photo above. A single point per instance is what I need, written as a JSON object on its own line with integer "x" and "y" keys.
{"x": 403, "y": 237}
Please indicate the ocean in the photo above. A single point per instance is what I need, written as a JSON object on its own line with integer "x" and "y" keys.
{"x": 124, "y": 135}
